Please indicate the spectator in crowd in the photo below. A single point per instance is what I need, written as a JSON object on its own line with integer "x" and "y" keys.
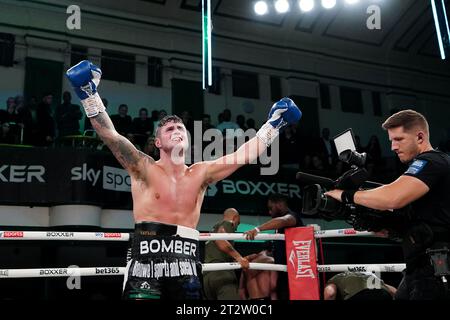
{"x": 326, "y": 148}
{"x": 4, "y": 114}
{"x": 155, "y": 116}
{"x": 6, "y": 136}
{"x": 19, "y": 100}
{"x": 9, "y": 114}
{"x": 314, "y": 164}
{"x": 206, "y": 125}
{"x": 227, "y": 123}
{"x": 259, "y": 284}
{"x": 251, "y": 123}
{"x": 220, "y": 118}
{"x": 282, "y": 217}
{"x": 142, "y": 128}
{"x": 151, "y": 149}
{"x": 28, "y": 120}
{"x": 122, "y": 121}
{"x": 240, "y": 120}
{"x": 162, "y": 113}
{"x": 10, "y": 101}
{"x": 358, "y": 145}
{"x": 45, "y": 124}
{"x": 67, "y": 117}
{"x": 290, "y": 151}
{"x": 206, "y": 122}
{"x": 188, "y": 122}
{"x": 374, "y": 161}
{"x": 223, "y": 285}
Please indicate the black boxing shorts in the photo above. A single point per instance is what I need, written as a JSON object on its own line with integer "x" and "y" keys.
{"x": 162, "y": 263}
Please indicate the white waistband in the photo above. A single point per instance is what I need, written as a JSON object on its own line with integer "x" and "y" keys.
{"x": 186, "y": 232}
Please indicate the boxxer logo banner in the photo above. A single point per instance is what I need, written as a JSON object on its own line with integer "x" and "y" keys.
{"x": 260, "y": 188}
{"x": 20, "y": 174}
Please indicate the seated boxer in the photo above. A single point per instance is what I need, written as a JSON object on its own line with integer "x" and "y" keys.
{"x": 167, "y": 195}
{"x": 259, "y": 284}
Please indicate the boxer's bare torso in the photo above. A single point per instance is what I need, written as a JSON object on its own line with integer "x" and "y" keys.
{"x": 169, "y": 197}
{"x": 167, "y": 191}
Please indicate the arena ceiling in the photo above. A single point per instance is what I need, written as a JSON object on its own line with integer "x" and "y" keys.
{"x": 406, "y": 25}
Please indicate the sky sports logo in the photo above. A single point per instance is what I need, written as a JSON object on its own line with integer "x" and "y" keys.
{"x": 114, "y": 179}
{"x": 112, "y": 235}
{"x": 12, "y": 234}
{"x": 108, "y": 235}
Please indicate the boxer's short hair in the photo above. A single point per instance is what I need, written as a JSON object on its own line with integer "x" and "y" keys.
{"x": 165, "y": 120}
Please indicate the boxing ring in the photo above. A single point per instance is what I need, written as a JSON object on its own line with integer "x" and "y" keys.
{"x": 120, "y": 271}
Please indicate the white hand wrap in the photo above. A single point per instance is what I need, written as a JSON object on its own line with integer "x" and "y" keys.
{"x": 93, "y": 105}
{"x": 267, "y": 133}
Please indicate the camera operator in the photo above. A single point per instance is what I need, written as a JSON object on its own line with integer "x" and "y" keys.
{"x": 425, "y": 186}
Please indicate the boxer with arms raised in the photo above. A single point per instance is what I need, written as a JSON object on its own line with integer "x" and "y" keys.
{"x": 167, "y": 194}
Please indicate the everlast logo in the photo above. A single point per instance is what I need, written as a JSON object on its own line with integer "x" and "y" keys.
{"x": 82, "y": 173}
{"x": 60, "y": 234}
{"x": 52, "y": 272}
{"x": 19, "y": 174}
{"x": 107, "y": 270}
{"x": 300, "y": 259}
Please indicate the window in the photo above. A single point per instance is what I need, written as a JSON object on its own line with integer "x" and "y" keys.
{"x": 7, "y": 41}
{"x": 325, "y": 96}
{"x": 275, "y": 88}
{"x": 245, "y": 84}
{"x": 376, "y": 101}
{"x": 78, "y": 54}
{"x": 351, "y": 100}
{"x": 155, "y": 69}
{"x": 118, "y": 66}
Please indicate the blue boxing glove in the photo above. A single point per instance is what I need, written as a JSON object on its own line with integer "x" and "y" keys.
{"x": 85, "y": 78}
{"x": 282, "y": 113}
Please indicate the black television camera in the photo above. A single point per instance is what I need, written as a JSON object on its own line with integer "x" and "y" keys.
{"x": 316, "y": 203}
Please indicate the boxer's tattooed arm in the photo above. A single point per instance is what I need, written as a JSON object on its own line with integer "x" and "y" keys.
{"x": 125, "y": 152}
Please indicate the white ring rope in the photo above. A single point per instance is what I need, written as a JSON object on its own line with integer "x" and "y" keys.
{"x": 235, "y": 265}
{"x": 117, "y": 236}
{"x": 119, "y": 271}
{"x": 392, "y": 267}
